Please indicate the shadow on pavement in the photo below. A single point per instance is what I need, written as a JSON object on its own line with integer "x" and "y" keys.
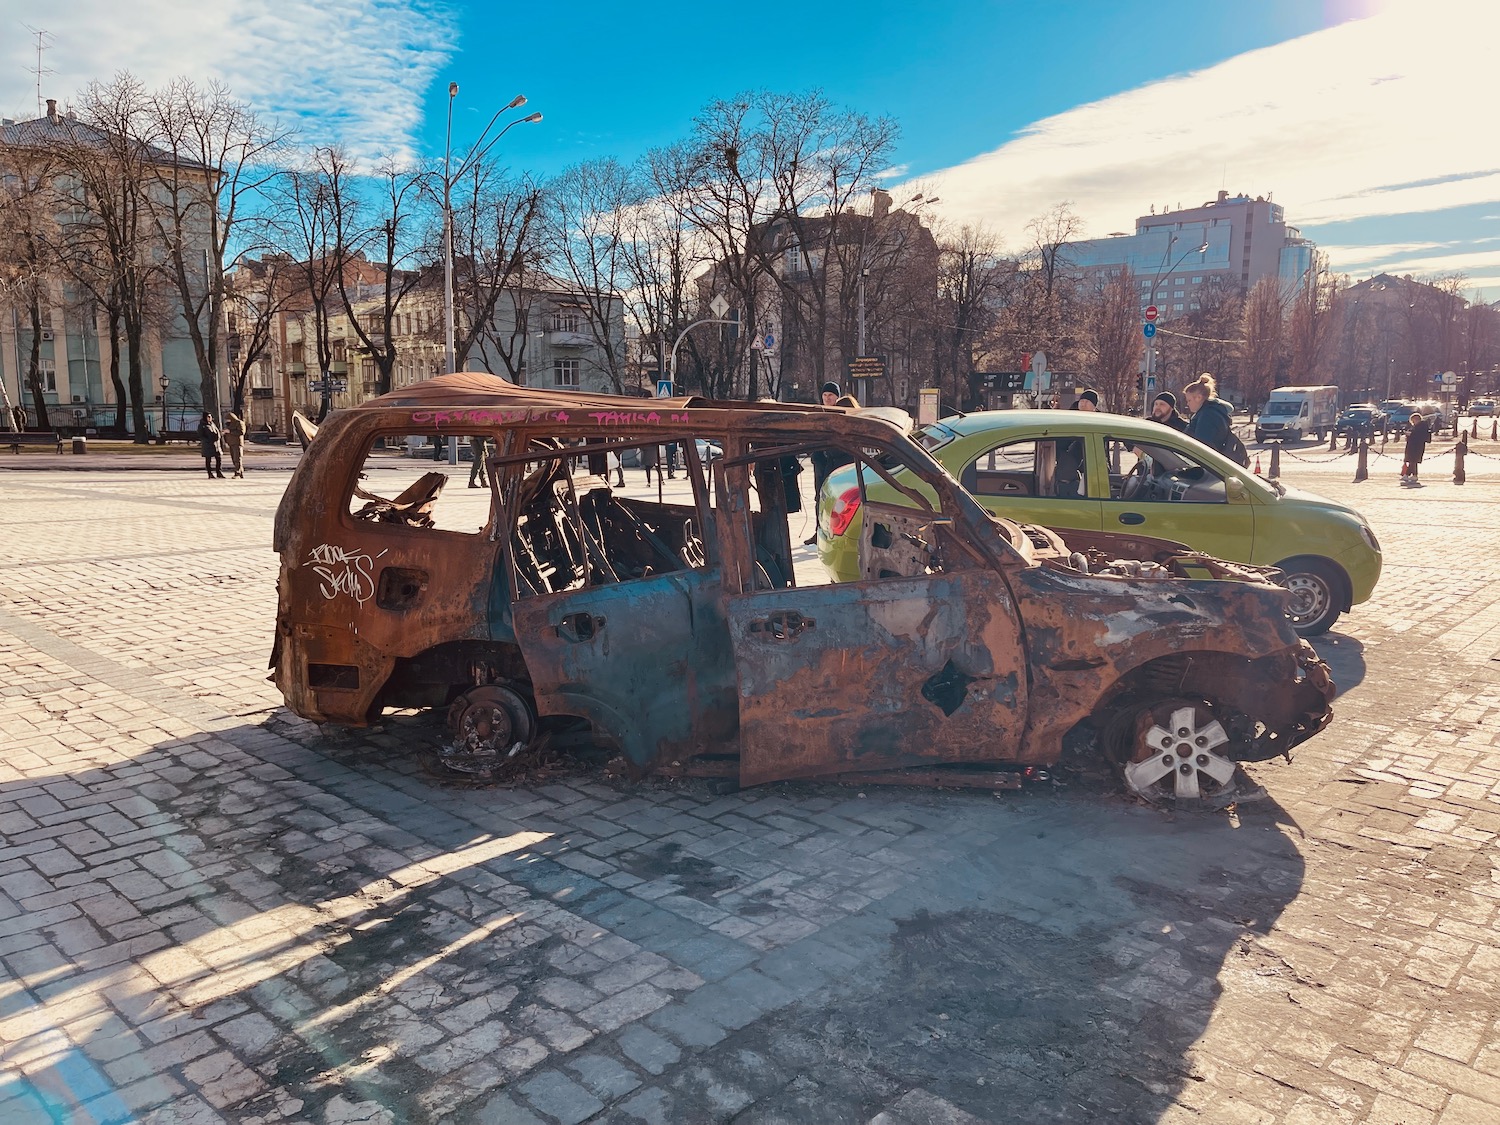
{"x": 319, "y": 938}
{"x": 1345, "y": 657}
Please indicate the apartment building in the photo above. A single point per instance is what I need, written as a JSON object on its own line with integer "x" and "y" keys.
{"x": 1179, "y": 257}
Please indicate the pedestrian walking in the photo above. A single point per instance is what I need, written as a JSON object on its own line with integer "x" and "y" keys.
{"x": 1164, "y": 410}
{"x": 651, "y": 459}
{"x": 479, "y": 447}
{"x": 1416, "y": 446}
{"x": 1210, "y": 414}
{"x": 234, "y": 441}
{"x": 208, "y": 442}
{"x": 824, "y": 461}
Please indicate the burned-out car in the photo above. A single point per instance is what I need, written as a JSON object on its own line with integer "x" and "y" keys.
{"x": 675, "y": 621}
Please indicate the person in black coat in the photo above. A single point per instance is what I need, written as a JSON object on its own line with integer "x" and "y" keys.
{"x": 208, "y": 444}
{"x": 1416, "y": 446}
{"x": 1210, "y": 415}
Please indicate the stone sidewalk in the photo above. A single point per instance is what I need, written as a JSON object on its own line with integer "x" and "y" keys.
{"x": 212, "y": 912}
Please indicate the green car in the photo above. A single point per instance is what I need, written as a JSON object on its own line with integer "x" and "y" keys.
{"x": 1109, "y": 472}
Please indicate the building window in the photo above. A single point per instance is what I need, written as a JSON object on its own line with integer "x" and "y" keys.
{"x": 565, "y": 320}
{"x": 1194, "y": 306}
{"x": 794, "y": 259}
{"x": 1176, "y": 308}
{"x": 565, "y": 372}
{"x": 48, "y": 373}
{"x": 1198, "y": 280}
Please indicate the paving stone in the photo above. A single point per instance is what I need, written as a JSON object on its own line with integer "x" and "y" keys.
{"x": 605, "y": 1077}
{"x": 557, "y": 1095}
{"x": 646, "y": 1048}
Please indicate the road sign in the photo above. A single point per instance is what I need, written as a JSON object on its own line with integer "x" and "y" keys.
{"x": 1151, "y": 314}
{"x": 1149, "y": 330}
{"x": 664, "y": 388}
{"x": 866, "y": 367}
{"x": 718, "y": 306}
{"x": 770, "y": 341}
{"x": 1450, "y": 378}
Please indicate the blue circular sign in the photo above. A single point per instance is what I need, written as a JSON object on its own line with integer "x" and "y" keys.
{"x": 1149, "y": 330}
{"x": 770, "y": 340}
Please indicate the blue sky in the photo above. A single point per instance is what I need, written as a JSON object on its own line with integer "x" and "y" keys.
{"x": 1364, "y": 118}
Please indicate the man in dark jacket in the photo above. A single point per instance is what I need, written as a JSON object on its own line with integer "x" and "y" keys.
{"x": 1416, "y": 446}
{"x": 1164, "y": 410}
{"x": 208, "y": 444}
{"x": 1210, "y": 415}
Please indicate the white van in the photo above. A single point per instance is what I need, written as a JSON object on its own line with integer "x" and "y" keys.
{"x": 1291, "y": 413}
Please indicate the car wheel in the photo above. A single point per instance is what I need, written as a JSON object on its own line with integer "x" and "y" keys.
{"x": 1316, "y": 591}
{"x": 1170, "y": 750}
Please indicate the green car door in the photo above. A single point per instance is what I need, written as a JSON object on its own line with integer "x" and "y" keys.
{"x": 1164, "y": 490}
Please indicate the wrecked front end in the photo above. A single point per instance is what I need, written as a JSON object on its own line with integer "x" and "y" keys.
{"x": 1183, "y": 664}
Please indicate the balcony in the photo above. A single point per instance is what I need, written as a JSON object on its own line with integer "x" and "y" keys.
{"x": 339, "y": 367}
{"x": 297, "y": 370}
{"x": 262, "y": 392}
{"x": 569, "y": 338}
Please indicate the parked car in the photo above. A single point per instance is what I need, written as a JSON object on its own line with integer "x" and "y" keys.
{"x": 1398, "y": 414}
{"x": 679, "y": 632}
{"x": 1482, "y": 408}
{"x": 1061, "y": 471}
{"x": 1363, "y": 419}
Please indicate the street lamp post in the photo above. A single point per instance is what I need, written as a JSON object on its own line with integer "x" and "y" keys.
{"x": 1147, "y": 375}
{"x": 681, "y": 336}
{"x": 165, "y": 383}
{"x": 476, "y": 154}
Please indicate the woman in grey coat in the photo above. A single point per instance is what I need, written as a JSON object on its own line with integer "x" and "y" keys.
{"x": 208, "y": 442}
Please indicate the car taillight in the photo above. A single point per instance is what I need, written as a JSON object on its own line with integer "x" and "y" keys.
{"x": 844, "y": 510}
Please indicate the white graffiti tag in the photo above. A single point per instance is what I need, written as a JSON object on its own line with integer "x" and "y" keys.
{"x": 343, "y": 572}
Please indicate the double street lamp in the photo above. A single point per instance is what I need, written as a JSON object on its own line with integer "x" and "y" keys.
{"x": 1148, "y": 373}
{"x": 476, "y": 154}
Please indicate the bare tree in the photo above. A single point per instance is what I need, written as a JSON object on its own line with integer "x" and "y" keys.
{"x": 971, "y": 277}
{"x": 107, "y": 153}
{"x": 586, "y": 237}
{"x": 1313, "y": 309}
{"x": 213, "y": 157}
{"x": 28, "y": 249}
{"x": 1042, "y": 306}
{"x": 495, "y": 245}
{"x": 382, "y": 223}
{"x": 1263, "y": 333}
{"x": 1111, "y": 341}
{"x": 255, "y": 295}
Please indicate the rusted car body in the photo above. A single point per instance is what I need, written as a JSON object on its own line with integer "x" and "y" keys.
{"x": 677, "y": 626}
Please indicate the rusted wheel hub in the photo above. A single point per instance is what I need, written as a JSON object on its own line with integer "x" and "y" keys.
{"x": 1173, "y": 753}
{"x": 491, "y": 725}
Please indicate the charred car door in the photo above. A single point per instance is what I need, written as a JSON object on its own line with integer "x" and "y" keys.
{"x": 617, "y": 611}
{"x": 918, "y": 663}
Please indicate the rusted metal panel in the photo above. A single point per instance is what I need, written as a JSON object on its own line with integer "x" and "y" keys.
{"x": 877, "y": 675}
{"x": 646, "y": 662}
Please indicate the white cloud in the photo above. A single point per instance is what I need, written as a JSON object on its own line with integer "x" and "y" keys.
{"x": 351, "y": 70}
{"x": 1380, "y": 116}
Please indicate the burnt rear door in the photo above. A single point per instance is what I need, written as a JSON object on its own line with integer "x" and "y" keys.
{"x": 899, "y": 669}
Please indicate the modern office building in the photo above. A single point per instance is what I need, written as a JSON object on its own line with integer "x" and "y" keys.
{"x": 1231, "y": 242}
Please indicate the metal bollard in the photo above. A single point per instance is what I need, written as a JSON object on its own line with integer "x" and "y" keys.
{"x": 1495, "y": 430}
{"x": 1362, "y": 470}
{"x": 1275, "y": 460}
{"x": 1474, "y": 429}
{"x": 1333, "y": 441}
{"x": 1459, "y": 452}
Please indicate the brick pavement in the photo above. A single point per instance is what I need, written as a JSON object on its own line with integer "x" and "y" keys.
{"x": 213, "y": 912}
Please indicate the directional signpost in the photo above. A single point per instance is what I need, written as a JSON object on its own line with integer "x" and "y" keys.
{"x": 1148, "y": 374}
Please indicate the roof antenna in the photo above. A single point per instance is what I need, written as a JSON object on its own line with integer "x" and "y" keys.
{"x": 43, "y": 40}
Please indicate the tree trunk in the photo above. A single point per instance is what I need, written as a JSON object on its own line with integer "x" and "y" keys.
{"x": 122, "y": 400}
{"x": 34, "y": 378}
{"x": 133, "y": 333}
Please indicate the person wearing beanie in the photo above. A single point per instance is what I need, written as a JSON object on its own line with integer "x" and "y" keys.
{"x": 1164, "y": 410}
{"x": 831, "y": 393}
{"x": 1087, "y": 400}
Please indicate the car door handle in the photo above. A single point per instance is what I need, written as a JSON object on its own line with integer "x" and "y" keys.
{"x": 784, "y": 626}
{"x": 1132, "y": 517}
{"x": 579, "y": 627}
